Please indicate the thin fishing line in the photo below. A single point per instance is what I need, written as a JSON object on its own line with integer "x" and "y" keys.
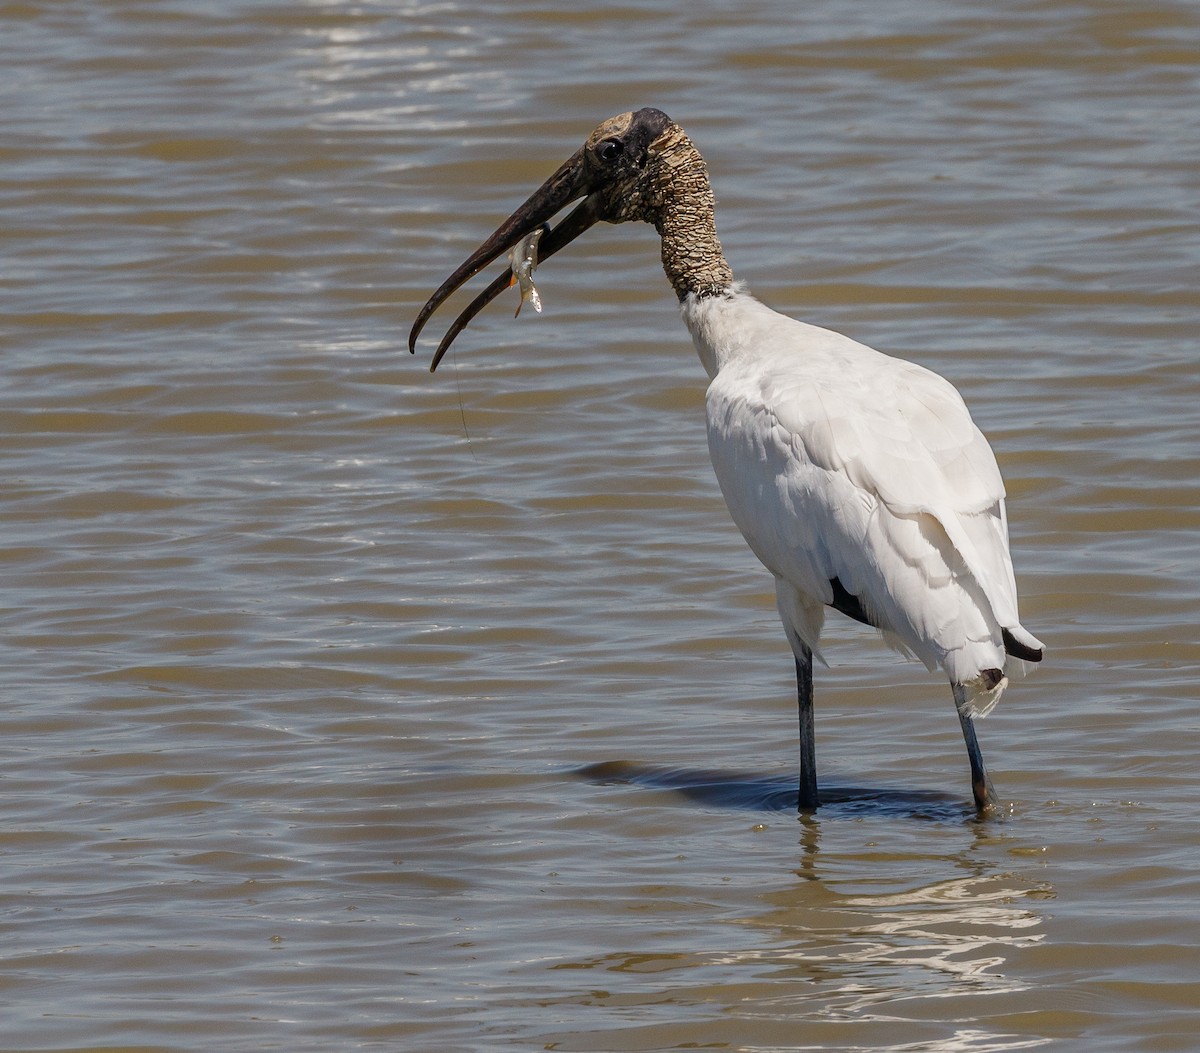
{"x": 462, "y": 409}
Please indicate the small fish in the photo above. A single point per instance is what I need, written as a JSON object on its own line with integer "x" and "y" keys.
{"x": 523, "y": 257}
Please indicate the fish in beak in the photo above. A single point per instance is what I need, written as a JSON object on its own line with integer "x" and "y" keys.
{"x": 605, "y": 172}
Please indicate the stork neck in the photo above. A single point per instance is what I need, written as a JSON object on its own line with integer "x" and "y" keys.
{"x": 691, "y": 253}
{"x": 685, "y": 219}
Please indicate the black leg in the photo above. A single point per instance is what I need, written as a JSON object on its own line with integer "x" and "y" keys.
{"x": 981, "y": 785}
{"x": 808, "y": 753}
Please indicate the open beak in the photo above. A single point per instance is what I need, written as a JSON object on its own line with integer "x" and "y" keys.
{"x": 564, "y": 186}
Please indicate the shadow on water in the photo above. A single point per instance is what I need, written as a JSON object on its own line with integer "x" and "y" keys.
{"x": 777, "y": 793}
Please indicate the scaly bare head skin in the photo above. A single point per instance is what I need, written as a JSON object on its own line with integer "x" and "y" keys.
{"x": 635, "y": 166}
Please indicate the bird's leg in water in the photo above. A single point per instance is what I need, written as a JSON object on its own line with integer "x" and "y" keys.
{"x": 981, "y": 785}
{"x": 808, "y": 751}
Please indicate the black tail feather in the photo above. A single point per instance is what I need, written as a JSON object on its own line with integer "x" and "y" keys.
{"x": 1018, "y": 650}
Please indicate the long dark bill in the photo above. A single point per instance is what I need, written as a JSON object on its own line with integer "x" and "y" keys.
{"x": 581, "y": 217}
{"x": 564, "y": 186}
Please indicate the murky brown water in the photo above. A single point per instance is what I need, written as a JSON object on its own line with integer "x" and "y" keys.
{"x": 346, "y": 707}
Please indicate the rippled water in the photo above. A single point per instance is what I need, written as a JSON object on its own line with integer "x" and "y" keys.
{"x": 350, "y": 707}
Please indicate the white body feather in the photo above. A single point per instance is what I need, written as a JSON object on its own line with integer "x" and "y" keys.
{"x": 837, "y": 461}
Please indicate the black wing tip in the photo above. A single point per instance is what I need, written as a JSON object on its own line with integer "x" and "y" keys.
{"x": 850, "y": 605}
{"x": 1019, "y": 650}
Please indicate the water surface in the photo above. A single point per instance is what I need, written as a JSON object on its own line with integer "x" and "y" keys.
{"x": 350, "y": 707}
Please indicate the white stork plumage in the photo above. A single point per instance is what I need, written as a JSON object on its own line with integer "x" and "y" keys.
{"x": 859, "y": 480}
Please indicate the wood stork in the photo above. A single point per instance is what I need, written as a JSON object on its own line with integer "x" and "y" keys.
{"x": 860, "y": 481}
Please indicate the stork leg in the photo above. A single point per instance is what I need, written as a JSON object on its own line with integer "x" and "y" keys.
{"x": 981, "y": 785}
{"x": 808, "y": 799}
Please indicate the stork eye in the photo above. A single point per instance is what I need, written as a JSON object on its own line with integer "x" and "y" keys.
{"x": 610, "y": 149}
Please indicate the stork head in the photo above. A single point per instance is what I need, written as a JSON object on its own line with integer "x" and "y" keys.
{"x": 629, "y": 169}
